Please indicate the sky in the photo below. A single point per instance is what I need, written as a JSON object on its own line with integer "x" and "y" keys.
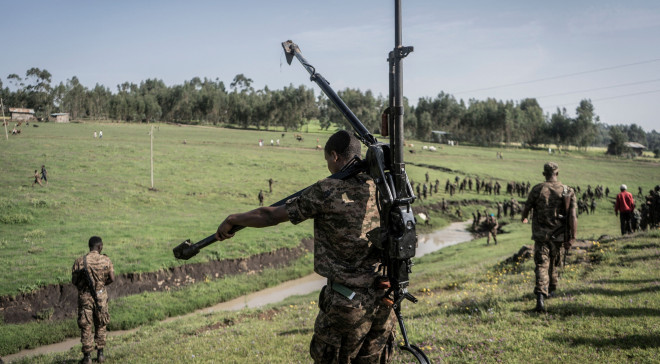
{"x": 559, "y": 52}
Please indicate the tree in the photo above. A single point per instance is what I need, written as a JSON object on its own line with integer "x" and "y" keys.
{"x": 619, "y": 138}
{"x": 583, "y": 126}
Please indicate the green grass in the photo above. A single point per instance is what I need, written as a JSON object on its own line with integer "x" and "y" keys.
{"x": 101, "y": 187}
{"x": 472, "y": 309}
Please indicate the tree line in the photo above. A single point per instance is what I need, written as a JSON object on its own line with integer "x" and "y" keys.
{"x": 207, "y": 101}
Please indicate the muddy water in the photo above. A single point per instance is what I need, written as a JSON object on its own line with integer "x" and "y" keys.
{"x": 453, "y": 234}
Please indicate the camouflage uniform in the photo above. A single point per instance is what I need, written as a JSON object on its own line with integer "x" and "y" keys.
{"x": 546, "y": 200}
{"x": 491, "y": 226}
{"x": 361, "y": 328}
{"x": 99, "y": 267}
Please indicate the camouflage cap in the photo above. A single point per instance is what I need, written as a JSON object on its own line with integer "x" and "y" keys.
{"x": 550, "y": 168}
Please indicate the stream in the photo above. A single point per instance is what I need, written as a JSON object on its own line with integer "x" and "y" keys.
{"x": 453, "y": 234}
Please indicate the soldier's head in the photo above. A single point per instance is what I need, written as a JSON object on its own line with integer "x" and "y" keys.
{"x": 95, "y": 243}
{"x": 623, "y": 187}
{"x": 550, "y": 170}
{"x": 340, "y": 149}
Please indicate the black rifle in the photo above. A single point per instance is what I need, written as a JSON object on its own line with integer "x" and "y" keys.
{"x": 90, "y": 283}
{"x": 187, "y": 250}
{"x": 396, "y": 237}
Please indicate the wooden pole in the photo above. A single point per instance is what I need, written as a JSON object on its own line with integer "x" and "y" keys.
{"x": 2, "y": 106}
{"x": 152, "y": 156}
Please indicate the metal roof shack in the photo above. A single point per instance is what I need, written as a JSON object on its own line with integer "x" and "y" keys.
{"x": 21, "y": 114}
{"x": 637, "y": 148}
{"x": 60, "y": 117}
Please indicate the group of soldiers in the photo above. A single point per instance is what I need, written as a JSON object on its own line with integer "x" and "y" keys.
{"x": 648, "y": 215}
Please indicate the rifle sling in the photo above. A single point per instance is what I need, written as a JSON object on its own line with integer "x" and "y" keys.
{"x": 90, "y": 282}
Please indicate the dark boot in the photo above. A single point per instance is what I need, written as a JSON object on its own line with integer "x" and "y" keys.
{"x": 100, "y": 358}
{"x": 87, "y": 359}
{"x": 540, "y": 306}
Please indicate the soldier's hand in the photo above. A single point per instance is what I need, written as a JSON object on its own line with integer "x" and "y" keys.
{"x": 223, "y": 230}
{"x": 524, "y": 221}
{"x": 568, "y": 244}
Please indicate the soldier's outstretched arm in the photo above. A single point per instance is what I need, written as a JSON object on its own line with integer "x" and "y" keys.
{"x": 258, "y": 218}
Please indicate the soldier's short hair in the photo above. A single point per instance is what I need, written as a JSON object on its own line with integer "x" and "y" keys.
{"x": 94, "y": 241}
{"x": 344, "y": 144}
{"x": 550, "y": 167}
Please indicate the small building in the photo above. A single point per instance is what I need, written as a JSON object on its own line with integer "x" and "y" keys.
{"x": 60, "y": 117}
{"x": 21, "y": 114}
{"x": 636, "y": 148}
{"x": 438, "y": 136}
{"x": 628, "y": 147}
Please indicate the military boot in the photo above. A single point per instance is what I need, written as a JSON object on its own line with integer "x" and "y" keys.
{"x": 540, "y": 306}
{"x": 87, "y": 359}
{"x": 100, "y": 358}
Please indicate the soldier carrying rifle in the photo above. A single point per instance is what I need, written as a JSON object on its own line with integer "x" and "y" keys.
{"x": 554, "y": 225}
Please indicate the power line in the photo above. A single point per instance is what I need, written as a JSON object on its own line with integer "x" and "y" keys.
{"x": 559, "y": 77}
{"x": 608, "y": 98}
{"x": 598, "y": 88}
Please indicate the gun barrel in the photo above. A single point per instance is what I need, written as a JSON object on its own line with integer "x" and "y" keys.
{"x": 291, "y": 50}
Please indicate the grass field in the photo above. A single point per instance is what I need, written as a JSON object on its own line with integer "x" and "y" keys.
{"x": 101, "y": 187}
{"x": 472, "y": 309}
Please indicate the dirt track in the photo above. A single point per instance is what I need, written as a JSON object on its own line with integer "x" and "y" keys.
{"x": 62, "y": 298}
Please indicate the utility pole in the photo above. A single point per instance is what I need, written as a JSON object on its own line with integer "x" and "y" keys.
{"x": 2, "y": 106}
{"x": 151, "y": 133}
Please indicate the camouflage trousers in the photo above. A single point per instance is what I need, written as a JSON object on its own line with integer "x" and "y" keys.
{"x": 492, "y": 232}
{"x": 90, "y": 315}
{"x": 360, "y": 330}
{"x": 547, "y": 257}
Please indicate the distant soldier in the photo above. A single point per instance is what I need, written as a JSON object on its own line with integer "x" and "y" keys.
{"x": 435, "y": 187}
{"x": 554, "y": 224}
{"x": 270, "y": 185}
{"x": 499, "y": 210}
{"x": 261, "y": 197}
{"x": 607, "y": 192}
{"x": 419, "y": 191}
{"x": 593, "y": 206}
{"x": 44, "y": 174}
{"x": 427, "y": 177}
{"x": 90, "y": 274}
{"x": 424, "y": 191}
{"x": 37, "y": 178}
{"x": 491, "y": 226}
{"x": 640, "y": 194}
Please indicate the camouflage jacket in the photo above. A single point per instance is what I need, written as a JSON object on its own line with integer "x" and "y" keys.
{"x": 99, "y": 266}
{"x": 343, "y": 212}
{"x": 547, "y": 201}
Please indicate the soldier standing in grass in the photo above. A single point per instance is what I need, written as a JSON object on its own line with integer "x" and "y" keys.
{"x": 554, "y": 224}
{"x": 261, "y": 197}
{"x": 90, "y": 274}
{"x": 491, "y": 226}
{"x": 44, "y": 174}
{"x": 353, "y": 324}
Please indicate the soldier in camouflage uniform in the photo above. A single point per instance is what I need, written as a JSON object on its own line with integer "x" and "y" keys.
{"x": 491, "y": 226}
{"x": 549, "y": 200}
{"x": 94, "y": 269}
{"x": 353, "y": 324}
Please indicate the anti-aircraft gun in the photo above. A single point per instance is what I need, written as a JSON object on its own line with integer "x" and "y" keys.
{"x": 396, "y": 237}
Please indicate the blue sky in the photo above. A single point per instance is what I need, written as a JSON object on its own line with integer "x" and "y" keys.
{"x": 560, "y": 52}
